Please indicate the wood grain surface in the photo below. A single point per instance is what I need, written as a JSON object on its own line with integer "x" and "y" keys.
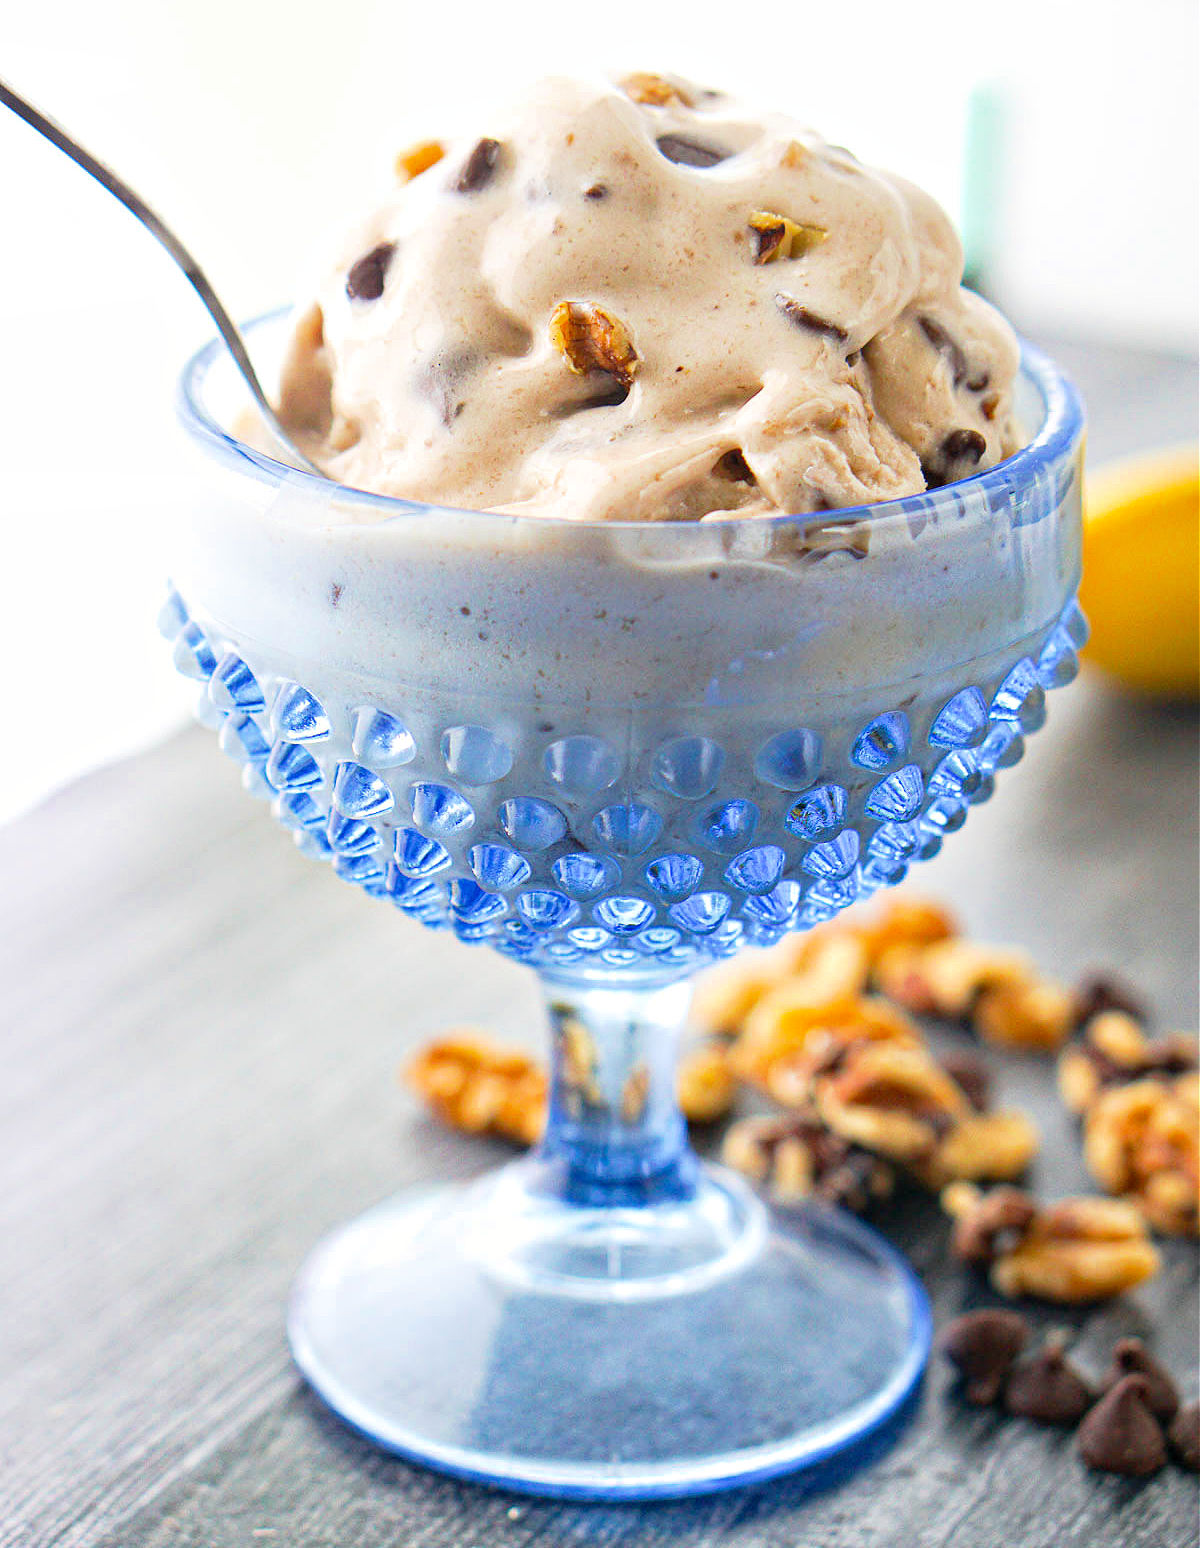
{"x": 200, "y": 1032}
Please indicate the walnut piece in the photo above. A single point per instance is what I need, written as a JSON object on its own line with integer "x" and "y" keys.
{"x": 591, "y": 339}
{"x": 790, "y": 1034}
{"x": 891, "y": 1098}
{"x": 776, "y": 236}
{"x": 984, "y": 1147}
{"x": 795, "y": 1157}
{"x": 418, "y": 158}
{"x": 1038, "y": 1015}
{"x": 655, "y": 90}
{"x": 1074, "y": 1251}
{"x": 956, "y": 973}
{"x": 1141, "y": 1141}
{"x": 1113, "y": 1051}
{"x": 472, "y": 1083}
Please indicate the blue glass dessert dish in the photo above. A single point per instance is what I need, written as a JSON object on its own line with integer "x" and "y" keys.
{"x": 616, "y": 753}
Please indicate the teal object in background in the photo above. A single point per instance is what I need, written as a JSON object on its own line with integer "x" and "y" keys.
{"x": 982, "y": 192}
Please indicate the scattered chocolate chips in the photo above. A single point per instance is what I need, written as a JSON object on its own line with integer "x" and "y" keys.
{"x": 801, "y": 317}
{"x": 1132, "y": 1358}
{"x": 733, "y": 465}
{"x": 983, "y": 1346}
{"x": 1184, "y": 1436}
{"x": 947, "y": 346}
{"x": 1000, "y": 1215}
{"x": 686, "y": 152}
{"x": 596, "y": 192}
{"x": 1048, "y": 1389}
{"x": 971, "y": 1075}
{"x": 1100, "y": 992}
{"x": 479, "y": 167}
{"x": 365, "y": 279}
{"x": 1121, "y": 1435}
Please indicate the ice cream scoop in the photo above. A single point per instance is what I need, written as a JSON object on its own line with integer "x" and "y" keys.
{"x": 643, "y": 302}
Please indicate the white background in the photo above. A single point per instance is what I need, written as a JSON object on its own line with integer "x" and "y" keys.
{"x": 257, "y": 126}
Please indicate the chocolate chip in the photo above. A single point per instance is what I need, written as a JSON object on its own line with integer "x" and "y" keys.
{"x": 971, "y": 1075}
{"x": 1121, "y": 1435}
{"x": 1132, "y": 1358}
{"x": 335, "y": 593}
{"x": 1184, "y": 1436}
{"x": 689, "y": 153}
{"x": 1002, "y": 1215}
{"x": 596, "y": 191}
{"x": 983, "y": 1346}
{"x": 947, "y": 346}
{"x": 479, "y": 167}
{"x": 1048, "y": 1388}
{"x": 800, "y": 315}
{"x": 958, "y": 453}
{"x": 964, "y": 446}
{"x": 1100, "y": 992}
{"x": 979, "y": 381}
{"x": 733, "y": 465}
{"x": 365, "y": 279}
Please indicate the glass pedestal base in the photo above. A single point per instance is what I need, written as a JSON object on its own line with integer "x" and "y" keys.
{"x": 494, "y": 1332}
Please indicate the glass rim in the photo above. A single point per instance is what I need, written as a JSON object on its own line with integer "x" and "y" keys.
{"x": 1060, "y": 429}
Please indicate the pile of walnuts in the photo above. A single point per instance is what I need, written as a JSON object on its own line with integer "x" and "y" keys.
{"x": 822, "y": 1027}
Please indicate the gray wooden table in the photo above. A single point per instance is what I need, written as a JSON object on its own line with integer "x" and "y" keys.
{"x": 200, "y": 1031}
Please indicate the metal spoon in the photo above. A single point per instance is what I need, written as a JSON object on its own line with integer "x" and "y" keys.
{"x": 281, "y": 442}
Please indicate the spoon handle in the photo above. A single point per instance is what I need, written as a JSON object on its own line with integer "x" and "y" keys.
{"x": 196, "y": 277}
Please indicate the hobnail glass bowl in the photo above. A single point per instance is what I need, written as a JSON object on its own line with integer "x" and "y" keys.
{"x": 616, "y": 753}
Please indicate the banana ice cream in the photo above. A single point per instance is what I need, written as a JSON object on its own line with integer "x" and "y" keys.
{"x": 639, "y": 302}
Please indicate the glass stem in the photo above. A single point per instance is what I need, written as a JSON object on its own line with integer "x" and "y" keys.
{"x": 614, "y": 1132}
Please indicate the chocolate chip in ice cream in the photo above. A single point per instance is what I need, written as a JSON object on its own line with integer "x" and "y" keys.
{"x": 1048, "y": 1389}
{"x": 479, "y": 167}
{"x": 365, "y": 279}
{"x": 797, "y": 313}
{"x": 958, "y": 453}
{"x": 1132, "y": 1358}
{"x": 687, "y": 152}
{"x": 983, "y": 1346}
{"x": 1121, "y": 1435}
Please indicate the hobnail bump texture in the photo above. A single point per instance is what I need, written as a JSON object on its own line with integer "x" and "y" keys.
{"x": 566, "y": 849}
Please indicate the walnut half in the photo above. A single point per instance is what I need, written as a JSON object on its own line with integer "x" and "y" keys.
{"x": 591, "y": 339}
{"x": 1074, "y": 1251}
